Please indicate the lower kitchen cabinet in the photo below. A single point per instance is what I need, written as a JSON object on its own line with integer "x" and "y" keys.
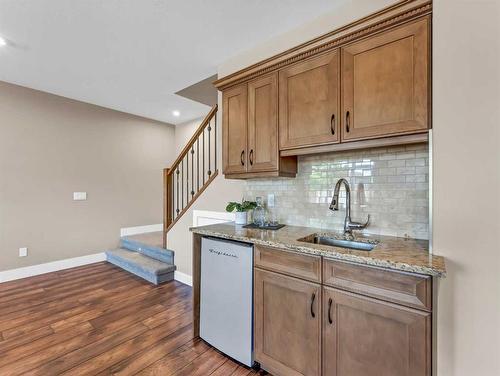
{"x": 367, "y": 337}
{"x": 287, "y": 337}
{"x": 348, "y": 320}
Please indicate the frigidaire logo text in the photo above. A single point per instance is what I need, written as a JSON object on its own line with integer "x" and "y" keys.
{"x": 222, "y": 253}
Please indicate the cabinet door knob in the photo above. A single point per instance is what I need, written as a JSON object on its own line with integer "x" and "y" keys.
{"x": 250, "y": 157}
{"x": 312, "y": 304}
{"x": 347, "y": 121}
{"x": 330, "y": 301}
{"x": 332, "y": 124}
{"x": 241, "y": 157}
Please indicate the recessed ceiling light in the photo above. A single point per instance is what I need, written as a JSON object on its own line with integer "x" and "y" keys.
{"x": 176, "y": 113}
{"x": 3, "y": 42}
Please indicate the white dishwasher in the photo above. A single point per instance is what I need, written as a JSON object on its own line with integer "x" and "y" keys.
{"x": 226, "y": 297}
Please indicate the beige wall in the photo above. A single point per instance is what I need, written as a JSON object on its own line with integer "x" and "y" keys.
{"x": 466, "y": 173}
{"x": 52, "y": 146}
{"x": 466, "y": 101}
{"x": 183, "y": 133}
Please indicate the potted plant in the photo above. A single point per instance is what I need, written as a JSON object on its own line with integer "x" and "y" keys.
{"x": 241, "y": 210}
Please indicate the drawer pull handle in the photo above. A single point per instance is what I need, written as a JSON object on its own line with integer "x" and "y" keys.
{"x": 250, "y": 156}
{"x": 241, "y": 157}
{"x": 347, "y": 121}
{"x": 332, "y": 124}
{"x": 330, "y": 311}
{"x": 312, "y": 304}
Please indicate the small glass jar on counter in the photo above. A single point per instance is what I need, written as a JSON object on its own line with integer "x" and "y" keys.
{"x": 259, "y": 213}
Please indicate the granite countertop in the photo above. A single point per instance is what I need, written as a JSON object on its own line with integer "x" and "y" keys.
{"x": 409, "y": 255}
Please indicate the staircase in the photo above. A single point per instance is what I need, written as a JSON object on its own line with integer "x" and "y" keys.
{"x": 191, "y": 173}
{"x": 146, "y": 255}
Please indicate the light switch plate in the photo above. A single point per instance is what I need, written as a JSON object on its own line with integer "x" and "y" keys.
{"x": 79, "y": 196}
{"x": 270, "y": 200}
{"x": 23, "y": 252}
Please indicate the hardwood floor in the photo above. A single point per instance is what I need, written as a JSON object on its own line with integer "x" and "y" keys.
{"x": 100, "y": 320}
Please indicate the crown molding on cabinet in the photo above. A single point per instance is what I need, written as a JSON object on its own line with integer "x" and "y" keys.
{"x": 384, "y": 19}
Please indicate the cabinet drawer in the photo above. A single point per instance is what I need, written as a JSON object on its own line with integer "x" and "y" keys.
{"x": 404, "y": 288}
{"x": 293, "y": 264}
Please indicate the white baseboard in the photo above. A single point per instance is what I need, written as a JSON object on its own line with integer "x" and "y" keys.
{"x": 183, "y": 278}
{"x": 128, "y": 231}
{"x": 54, "y": 266}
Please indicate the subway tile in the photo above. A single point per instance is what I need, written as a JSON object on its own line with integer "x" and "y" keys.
{"x": 415, "y": 162}
{"x": 407, "y": 155}
{"x": 421, "y": 170}
{"x": 422, "y": 186}
{"x": 396, "y": 179}
{"x": 422, "y": 154}
{"x": 398, "y": 149}
{"x": 387, "y": 156}
{"x": 416, "y": 178}
{"x": 388, "y": 183}
{"x": 386, "y": 171}
{"x": 405, "y": 170}
{"x": 396, "y": 163}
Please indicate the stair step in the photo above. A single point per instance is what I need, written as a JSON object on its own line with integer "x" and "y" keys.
{"x": 148, "y": 249}
{"x": 150, "y": 269}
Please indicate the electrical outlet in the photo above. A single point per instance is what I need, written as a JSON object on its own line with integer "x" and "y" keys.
{"x": 23, "y": 252}
{"x": 79, "y": 196}
{"x": 270, "y": 200}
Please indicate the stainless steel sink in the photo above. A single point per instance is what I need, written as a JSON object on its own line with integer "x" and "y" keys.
{"x": 342, "y": 243}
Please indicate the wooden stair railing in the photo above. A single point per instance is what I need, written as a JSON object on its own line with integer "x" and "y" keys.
{"x": 191, "y": 173}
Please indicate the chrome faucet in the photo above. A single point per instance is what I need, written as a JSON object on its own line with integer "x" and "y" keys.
{"x": 334, "y": 205}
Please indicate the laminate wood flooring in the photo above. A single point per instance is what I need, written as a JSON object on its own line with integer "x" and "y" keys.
{"x": 100, "y": 320}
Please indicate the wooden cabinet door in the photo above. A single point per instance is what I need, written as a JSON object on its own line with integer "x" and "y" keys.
{"x": 309, "y": 100}
{"x": 367, "y": 337}
{"x": 234, "y": 129}
{"x": 287, "y": 325}
{"x": 263, "y": 124}
{"x": 385, "y": 83}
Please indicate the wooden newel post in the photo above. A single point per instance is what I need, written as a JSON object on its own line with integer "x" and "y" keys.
{"x": 167, "y": 203}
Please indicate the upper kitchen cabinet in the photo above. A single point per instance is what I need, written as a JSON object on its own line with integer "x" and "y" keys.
{"x": 250, "y": 131}
{"x": 385, "y": 83}
{"x": 309, "y": 99}
{"x": 263, "y": 124}
{"x": 234, "y": 130}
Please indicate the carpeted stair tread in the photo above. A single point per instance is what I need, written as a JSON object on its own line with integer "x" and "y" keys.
{"x": 145, "y": 267}
{"x": 147, "y": 249}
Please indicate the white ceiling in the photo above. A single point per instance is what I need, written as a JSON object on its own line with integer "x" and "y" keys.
{"x": 133, "y": 55}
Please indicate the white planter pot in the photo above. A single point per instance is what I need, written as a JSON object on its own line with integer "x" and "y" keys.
{"x": 240, "y": 218}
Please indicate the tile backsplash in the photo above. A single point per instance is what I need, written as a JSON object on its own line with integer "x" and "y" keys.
{"x": 391, "y": 184}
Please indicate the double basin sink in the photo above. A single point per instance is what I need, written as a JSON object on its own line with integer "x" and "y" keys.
{"x": 358, "y": 245}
